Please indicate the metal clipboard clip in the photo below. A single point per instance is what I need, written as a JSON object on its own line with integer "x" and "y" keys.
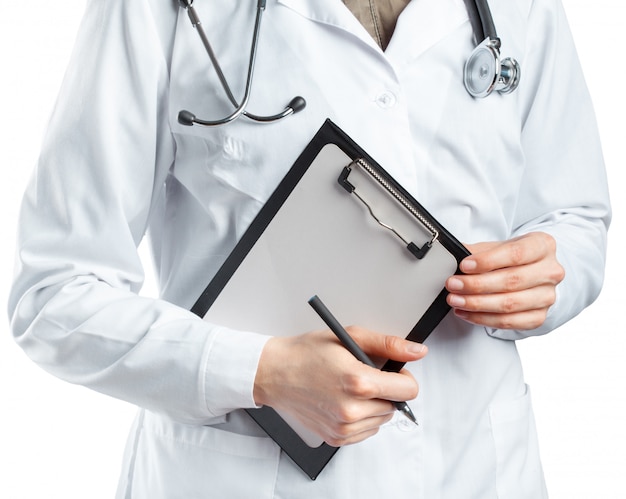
{"x": 418, "y": 252}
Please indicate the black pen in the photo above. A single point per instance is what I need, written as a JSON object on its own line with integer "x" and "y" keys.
{"x": 352, "y": 347}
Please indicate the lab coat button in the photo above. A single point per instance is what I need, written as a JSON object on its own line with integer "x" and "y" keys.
{"x": 386, "y": 99}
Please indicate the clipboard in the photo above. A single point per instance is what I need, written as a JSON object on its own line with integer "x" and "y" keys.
{"x": 340, "y": 226}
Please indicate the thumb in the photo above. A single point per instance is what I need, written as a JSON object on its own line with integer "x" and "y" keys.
{"x": 387, "y": 346}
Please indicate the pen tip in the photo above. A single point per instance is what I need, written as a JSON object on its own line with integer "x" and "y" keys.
{"x": 409, "y": 414}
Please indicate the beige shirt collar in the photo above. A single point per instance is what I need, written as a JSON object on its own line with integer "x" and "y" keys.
{"x": 378, "y": 17}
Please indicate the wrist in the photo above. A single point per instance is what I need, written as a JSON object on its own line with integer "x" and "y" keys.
{"x": 267, "y": 372}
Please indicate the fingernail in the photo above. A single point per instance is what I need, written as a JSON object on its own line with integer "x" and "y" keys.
{"x": 416, "y": 348}
{"x": 456, "y": 301}
{"x": 468, "y": 265}
{"x": 455, "y": 284}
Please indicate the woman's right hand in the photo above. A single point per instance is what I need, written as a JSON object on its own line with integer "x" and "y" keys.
{"x": 314, "y": 378}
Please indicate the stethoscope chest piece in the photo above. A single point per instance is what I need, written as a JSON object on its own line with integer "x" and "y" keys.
{"x": 484, "y": 71}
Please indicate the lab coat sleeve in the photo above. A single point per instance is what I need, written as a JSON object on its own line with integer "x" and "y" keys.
{"x": 74, "y": 306}
{"x": 564, "y": 190}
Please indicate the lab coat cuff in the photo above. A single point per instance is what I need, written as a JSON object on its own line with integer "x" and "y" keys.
{"x": 576, "y": 291}
{"x": 230, "y": 369}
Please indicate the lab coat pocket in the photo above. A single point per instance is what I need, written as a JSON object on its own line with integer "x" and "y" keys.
{"x": 174, "y": 460}
{"x": 518, "y": 466}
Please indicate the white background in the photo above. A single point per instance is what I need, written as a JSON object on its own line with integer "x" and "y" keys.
{"x": 62, "y": 441}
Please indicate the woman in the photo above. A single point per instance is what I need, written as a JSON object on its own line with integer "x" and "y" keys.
{"x": 523, "y": 169}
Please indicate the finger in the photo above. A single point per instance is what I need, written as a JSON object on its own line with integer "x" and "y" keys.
{"x": 507, "y": 280}
{"x": 505, "y": 303}
{"x": 352, "y": 427}
{"x": 368, "y": 383}
{"x": 343, "y": 435}
{"x": 482, "y": 246}
{"x": 521, "y": 250}
{"x": 387, "y": 346}
{"x": 349, "y": 422}
{"x": 360, "y": 414}
{"x": 530, "y": 319}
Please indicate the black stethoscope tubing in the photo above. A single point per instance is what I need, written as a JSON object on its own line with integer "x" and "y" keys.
{"x": 187, "y": 118}
{"x": 486, "y": 21}
{"x": 481, "y": 76}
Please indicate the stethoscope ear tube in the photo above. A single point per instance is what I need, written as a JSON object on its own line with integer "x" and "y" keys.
{"x": 187, "y": 118}
{"x": 296, "y": 105}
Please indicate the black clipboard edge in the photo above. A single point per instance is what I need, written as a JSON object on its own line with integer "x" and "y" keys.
{"x": 313, "y": 460}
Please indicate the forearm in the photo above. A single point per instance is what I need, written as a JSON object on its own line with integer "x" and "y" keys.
{"x": 145, "y": 351}
{"x": 581, "y": 250}
{"x": 100, "y": 179}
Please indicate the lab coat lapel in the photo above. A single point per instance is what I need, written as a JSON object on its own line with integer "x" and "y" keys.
{"x": 333, "y": 13}
{"x": 423, "y": 24}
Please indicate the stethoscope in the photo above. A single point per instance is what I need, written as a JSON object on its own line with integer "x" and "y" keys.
{"x": 188, "y": 118}
{"x": 484, "y": 72}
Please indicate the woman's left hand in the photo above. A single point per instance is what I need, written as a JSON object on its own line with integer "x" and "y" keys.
{"x": 507, "y": 284}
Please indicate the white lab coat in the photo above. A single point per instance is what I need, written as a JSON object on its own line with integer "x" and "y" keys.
{"x": 115, "y": 164}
